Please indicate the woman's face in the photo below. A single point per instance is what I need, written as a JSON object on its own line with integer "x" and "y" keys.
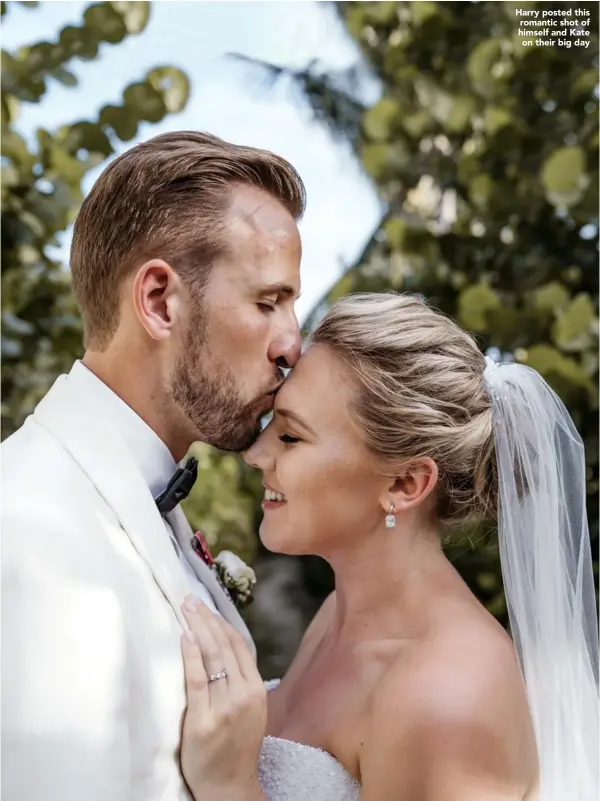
{"x": 313, "y": 457}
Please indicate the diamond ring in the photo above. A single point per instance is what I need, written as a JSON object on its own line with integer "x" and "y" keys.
{"x": 222, "y": 674}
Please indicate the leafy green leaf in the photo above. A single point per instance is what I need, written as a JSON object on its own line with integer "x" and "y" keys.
{"x": 550, "y": 363}
{"x": 563, "y": 175}
{"x": 460, "y": 117}
{"x": 173, "y": 85}
{"x": 496, "y": 118}
{"x": 107, "y": 21}
{"x": 122, "y": 120}
{"x": 378, "y": 121}
{"x": 87, "y": 136}
{"x": 474, "y": 303}
{"x": 480, "y": 189}
{"x": 396, "y": 230}
{"x": 135, "y": 15}
{"x": 572, "y": 329}
{"x": 417, "y": 124}
{"x": 144, "y": 100}
{"x": 380, "y": 12}
{"x": 423, "y": 11}
{"x": 552, "y": 297}
{"x": 64, "y": 76}
{"x": 480, "y": 66}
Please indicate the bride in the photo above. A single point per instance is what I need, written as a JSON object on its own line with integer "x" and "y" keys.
{"x": 404, "y": 688}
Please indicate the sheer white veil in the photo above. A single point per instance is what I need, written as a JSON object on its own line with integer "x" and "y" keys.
{"x": 547, "y": 573}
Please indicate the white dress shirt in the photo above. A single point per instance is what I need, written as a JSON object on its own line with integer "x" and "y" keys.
{"x": 150, "y": 453}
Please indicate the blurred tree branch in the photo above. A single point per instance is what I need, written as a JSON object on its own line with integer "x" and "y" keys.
{"x": 41, "y": 191}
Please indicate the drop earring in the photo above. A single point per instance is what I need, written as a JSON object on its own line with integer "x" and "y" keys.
{"x": 390, "y": 520}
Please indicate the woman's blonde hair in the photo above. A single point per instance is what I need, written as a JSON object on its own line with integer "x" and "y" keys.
{"x": 421, "y": 393}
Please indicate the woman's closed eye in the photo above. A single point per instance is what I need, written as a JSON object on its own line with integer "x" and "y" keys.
{"x": 288, "y": 439}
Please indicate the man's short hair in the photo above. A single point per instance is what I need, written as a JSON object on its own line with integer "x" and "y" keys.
{"x": 164, "y": 198}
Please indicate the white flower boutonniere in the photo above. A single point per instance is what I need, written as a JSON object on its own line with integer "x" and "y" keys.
{"x": 237, "y": 576}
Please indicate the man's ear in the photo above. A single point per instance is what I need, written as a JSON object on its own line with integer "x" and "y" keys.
{"x": 158, "y": 298}
{"x": 411, "y": 486}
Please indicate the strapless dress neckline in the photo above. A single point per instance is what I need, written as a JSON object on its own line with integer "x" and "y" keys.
{"x": 292, "y": 771}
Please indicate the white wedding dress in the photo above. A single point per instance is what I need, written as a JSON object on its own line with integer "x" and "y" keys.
{"x": 290, "y": 771}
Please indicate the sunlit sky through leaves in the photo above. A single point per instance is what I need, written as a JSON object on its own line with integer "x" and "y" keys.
{"x": 226, "y": 100}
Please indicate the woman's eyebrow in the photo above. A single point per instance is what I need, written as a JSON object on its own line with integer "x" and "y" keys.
{"x": 293, "y": 416}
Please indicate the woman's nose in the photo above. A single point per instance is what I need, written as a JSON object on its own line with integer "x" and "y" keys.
{"x": 248, "y": 456}
{"x": 257, "y": 455}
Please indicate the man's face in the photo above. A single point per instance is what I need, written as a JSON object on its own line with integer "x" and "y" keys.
{"x": 243, "y": 329}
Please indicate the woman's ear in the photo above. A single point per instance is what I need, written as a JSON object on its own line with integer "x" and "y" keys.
{"x": 411, "y": 486}
{"x": 158, "y": 298}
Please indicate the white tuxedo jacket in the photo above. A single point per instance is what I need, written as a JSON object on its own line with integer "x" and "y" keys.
{"x": 93, "y": 690}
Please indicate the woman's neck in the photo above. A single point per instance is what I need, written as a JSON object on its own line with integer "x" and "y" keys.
{"x": 385, "y": 585}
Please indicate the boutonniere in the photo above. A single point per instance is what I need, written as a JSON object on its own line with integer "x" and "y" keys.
{"x": 235, "y": 576}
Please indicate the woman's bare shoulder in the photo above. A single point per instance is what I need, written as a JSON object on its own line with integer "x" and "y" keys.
{"x": 459, "y": 696}
{"x": 453, "y": 671}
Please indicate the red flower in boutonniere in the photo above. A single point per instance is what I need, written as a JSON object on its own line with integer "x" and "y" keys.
{"x": 202, "y": 549}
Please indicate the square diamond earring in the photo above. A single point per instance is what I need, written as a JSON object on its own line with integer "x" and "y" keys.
{"x": 390, "y": 520}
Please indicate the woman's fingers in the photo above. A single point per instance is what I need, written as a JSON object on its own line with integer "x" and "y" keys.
{"x": 232, "y": 641}
{"x": 211, "y": 652}
{"x": 223, "y": 648}
{"x": 225, "y": 720}
{"x": 217, "y": 652}
{"x": 196, "y": 680}
{"x": 244, "y": 657}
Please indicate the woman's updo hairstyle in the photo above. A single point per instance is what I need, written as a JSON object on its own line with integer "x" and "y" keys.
{"x": 421, "y": 393}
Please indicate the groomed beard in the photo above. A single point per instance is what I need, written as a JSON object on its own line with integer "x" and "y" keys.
{"x": 206, "y": 392}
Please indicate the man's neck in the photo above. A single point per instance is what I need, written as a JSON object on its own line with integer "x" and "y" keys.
{"x": 141, "y": 391}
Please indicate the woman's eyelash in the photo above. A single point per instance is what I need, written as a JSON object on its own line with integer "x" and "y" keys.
{"x": 265, "y": 307}
{"x": 287, "y": 438}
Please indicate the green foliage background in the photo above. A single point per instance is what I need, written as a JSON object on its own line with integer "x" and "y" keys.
{"x": 484, "y": 151}
{"x": 41, "y": 191}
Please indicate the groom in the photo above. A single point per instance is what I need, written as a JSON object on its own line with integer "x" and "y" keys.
{"x": 185, "y": 264}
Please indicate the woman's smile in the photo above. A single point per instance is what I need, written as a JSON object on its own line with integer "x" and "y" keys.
{"x": 273, "y": 499}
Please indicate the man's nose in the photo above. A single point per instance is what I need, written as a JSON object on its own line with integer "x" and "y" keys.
{"x": 287, "y": 347}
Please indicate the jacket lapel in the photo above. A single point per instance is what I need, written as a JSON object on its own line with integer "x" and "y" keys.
{"x": 77, "y": 423}
{"x": 207, "y": 576}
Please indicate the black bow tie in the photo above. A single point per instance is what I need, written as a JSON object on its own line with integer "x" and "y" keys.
{"x": 178, "y": 488}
